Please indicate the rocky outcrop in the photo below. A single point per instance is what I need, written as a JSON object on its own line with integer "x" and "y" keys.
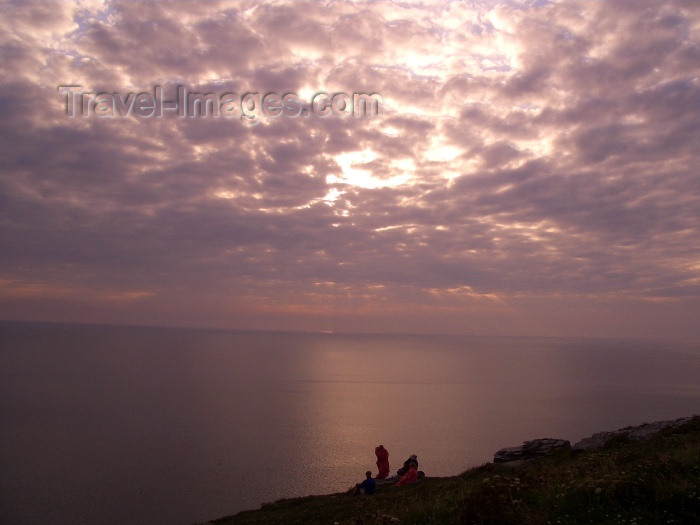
{"x": 638, "y": 433}
{"x": 530, "y": 450}
{"x": 538, "y": 448}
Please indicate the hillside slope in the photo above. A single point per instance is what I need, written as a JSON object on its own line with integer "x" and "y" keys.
{"x": 652, "y": 481}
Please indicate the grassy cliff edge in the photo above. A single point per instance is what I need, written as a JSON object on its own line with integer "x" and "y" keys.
{"x": 633, "y": 482}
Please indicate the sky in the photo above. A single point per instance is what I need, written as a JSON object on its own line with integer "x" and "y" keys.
{"x": 531, "y": 167}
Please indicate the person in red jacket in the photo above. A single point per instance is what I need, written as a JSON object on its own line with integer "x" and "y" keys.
{"x": 412, "y": 460}
{"x": 409, "y": 477}
{"x": 382, "y": 462}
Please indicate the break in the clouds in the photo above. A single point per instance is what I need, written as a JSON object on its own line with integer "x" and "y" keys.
{"x": 534, "y": 169}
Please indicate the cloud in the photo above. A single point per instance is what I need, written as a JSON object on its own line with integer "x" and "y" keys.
{"x": 526, "y": 150}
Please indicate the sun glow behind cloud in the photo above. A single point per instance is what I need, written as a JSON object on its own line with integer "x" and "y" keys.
{"x": 356, "y": 171}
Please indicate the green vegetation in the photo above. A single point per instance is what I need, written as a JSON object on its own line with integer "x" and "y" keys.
{"x": 651, "y": 482}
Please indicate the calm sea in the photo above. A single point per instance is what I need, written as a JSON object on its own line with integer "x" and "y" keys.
{"x": 113, "y": 425}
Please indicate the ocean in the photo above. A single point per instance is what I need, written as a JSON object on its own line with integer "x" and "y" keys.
{"x": 118, "y": 424}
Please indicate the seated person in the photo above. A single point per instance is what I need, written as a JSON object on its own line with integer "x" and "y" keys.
{"x": 413, "y": 460}
{"x": 367, "y": 486}
{"x": 410, "y": 477}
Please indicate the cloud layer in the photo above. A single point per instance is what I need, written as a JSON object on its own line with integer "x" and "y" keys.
{"x": 534, "y": 170}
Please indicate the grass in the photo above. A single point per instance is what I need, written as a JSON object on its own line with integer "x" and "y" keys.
{"x": 651, "y": 482}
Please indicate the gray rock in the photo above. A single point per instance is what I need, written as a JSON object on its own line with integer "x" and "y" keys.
{"x": 638, "y": 433}
{"x": 530, "y": 450}
{"x": 597, "y": 440}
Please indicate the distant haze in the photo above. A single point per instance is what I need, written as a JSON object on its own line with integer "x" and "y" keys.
{"x": 533, "y": 171}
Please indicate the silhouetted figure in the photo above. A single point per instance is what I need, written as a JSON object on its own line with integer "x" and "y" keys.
{"x": 382, "y": 462}
{"x": 413, "y": 460}
{"x": 366, "y": 487}
{"x": 410, "y": 477}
